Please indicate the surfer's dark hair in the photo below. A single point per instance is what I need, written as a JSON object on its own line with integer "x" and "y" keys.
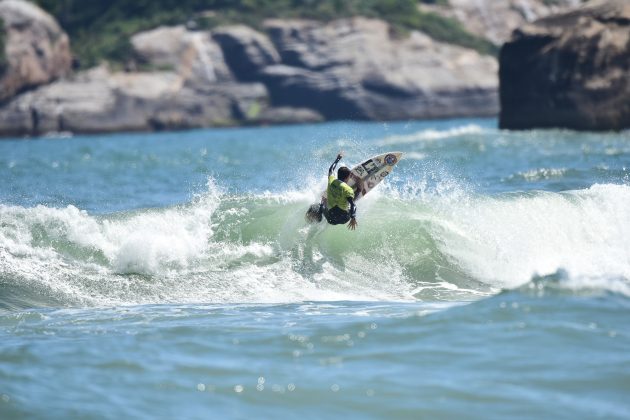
{"x": 343, "y": 173}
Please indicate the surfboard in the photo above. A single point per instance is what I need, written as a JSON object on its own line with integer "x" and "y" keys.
{"x": 363, "y": 178}
{"x": 369, "y": 173}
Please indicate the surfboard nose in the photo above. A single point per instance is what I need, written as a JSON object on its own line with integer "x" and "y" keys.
{"x": 392, "y": 158}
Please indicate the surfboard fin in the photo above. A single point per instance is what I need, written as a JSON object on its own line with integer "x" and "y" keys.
{"x": 313, "y": 214}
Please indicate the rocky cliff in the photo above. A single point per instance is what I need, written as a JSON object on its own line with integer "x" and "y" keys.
{"x": 569, "y": 70}
{"x": 292, "y": 71}
{"x": 288, "y": 71}
{"x": 36, "y": 50}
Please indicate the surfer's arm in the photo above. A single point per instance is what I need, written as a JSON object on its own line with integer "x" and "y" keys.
{"x": 353, "y": 208}
{"x": 353, "y": 214}
{"x": 334, "y": 165}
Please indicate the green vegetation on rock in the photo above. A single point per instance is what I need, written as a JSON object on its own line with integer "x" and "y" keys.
{"x": 405, "y": 15}
{"x": 254, "y": 110}
{"x": 100, "y": 29}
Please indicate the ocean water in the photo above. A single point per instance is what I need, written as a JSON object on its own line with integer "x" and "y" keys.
{"x": 173, "y": 275}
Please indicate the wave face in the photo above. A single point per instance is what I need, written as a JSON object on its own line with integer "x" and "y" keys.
{"x": 226, "y": 248}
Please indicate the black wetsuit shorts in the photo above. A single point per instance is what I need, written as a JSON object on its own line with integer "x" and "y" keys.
{"x": 336, "y": 216}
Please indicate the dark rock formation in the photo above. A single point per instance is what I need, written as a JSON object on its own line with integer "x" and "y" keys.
{"x": 37, "y": 50}
{"x": 246, "y": 51}
{"x": 569, "y": 70}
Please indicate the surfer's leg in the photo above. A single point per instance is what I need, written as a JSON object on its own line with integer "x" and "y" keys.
{"x": 314, "y": 214}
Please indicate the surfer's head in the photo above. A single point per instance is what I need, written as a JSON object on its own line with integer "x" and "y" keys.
{"x": 343, "y": 173}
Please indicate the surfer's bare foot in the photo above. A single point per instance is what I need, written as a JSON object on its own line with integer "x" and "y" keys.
{"x": 352, "y": 225}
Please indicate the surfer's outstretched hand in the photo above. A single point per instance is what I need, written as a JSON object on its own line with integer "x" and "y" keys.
{"x": 352, "y": 225}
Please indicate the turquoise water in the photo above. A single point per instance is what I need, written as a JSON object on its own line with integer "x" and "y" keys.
{"x": 172, "y": 275}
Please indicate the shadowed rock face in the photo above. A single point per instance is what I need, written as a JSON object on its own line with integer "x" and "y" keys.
{"x": 354, "y": 69}
{"x": 37, "y": 50}
{"x": 569, "y": 70}
{"x": 247, "y": 51}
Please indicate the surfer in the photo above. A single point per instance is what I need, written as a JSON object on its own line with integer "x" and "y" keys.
{"x": 338, "y": 208}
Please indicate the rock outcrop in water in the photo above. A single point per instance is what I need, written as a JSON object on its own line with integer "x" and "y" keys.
{"x": 569, "y": 70}
{"x": 36, "y": 50}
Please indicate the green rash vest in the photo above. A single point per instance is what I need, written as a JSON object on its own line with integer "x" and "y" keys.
{"x": 338, "y": 193}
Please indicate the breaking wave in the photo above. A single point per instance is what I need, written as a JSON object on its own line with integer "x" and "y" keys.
{"x": 258, "y": 248}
